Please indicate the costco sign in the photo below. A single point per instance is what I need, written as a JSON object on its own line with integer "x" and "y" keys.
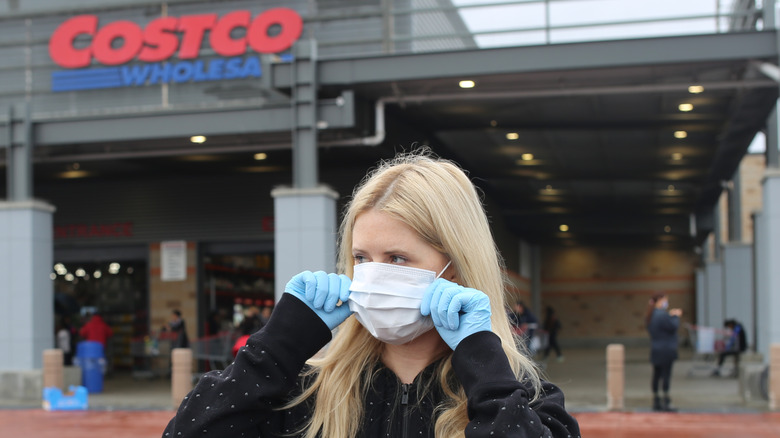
{"x": 120, "y": 42}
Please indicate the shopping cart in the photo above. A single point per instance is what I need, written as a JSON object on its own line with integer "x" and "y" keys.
{"x": 706, "y": 343}
{"x": 215, "y": 350}
{"x": 151, "y": 355}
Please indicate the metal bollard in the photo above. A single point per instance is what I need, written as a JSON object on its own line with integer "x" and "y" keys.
{"x": 616, "y": 379}
{"x": 181, "y": 374}
{"x": 53, "y": 373}
{"x": 774, "y": 377}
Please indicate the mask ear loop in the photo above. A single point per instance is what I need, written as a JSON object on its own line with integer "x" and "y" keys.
{"x": 445, "y": 268}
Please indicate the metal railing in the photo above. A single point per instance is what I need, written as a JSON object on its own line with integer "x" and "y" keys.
{"x": 410, "y": 26}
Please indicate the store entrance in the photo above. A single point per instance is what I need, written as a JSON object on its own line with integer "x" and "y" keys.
{"x": 238, "y": 278}
{"x": 111, "y": 282}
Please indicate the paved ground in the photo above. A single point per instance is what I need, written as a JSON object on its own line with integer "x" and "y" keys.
{"x": 709, "y": 407}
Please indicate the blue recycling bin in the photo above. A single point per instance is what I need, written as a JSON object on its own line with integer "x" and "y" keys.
{"x": 91, "y": 358}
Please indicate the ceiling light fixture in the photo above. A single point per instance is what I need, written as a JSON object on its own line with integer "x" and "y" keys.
{"x": 677, "y": 156}
{"x": 493, "y": 123}
{"x": 198, "y": 139}
{"x": 512, "y": 136}
{"x": 685, "y": 107}
{"x": 667, "y": 229}
{"x": 527, "y": 157}
{"x": 261, "y": 156}
{"x": 670, "y": 188}
{"x": 680, "y": 134}
{"x": 564, "y": 228}
{"x": 695, "y": 89}
{"x": 466, "y": 84}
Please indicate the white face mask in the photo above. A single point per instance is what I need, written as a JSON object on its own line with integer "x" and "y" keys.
{"x": 386, "y": 300}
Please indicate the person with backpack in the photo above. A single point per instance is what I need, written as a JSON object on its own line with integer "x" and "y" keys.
{"x": 736, "y": 343}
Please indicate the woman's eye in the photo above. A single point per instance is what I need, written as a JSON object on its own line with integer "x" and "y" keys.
{"x": 397, "y": 259}
{"x": 359, "y": 259}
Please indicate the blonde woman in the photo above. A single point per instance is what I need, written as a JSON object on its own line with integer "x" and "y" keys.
{"x": 423, "y": 347}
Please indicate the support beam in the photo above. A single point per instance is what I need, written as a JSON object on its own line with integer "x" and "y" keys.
{"x": 19, "y": 158}
{"x": 304, "y": 112}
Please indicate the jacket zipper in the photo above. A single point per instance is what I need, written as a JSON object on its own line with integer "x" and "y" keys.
{"x": 405, "y": 404}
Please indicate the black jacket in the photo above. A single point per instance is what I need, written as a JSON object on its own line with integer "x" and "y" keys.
{"x": 663, "y": 337}
{"x": 241, "y": 400}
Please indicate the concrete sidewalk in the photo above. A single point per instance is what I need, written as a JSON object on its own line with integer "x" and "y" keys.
{"x": 709, "y": 407}
{"x": 582, "y": 377}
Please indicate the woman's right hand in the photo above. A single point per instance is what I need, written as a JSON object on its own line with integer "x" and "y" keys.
{"x": 322, "y": 292}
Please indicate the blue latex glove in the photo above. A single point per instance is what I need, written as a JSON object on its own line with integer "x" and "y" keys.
{"x": 321, "y": 292}
{"x": 457, "y": 311}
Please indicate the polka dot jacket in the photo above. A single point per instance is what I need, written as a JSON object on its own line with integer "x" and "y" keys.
{"x": 243, "y": 400}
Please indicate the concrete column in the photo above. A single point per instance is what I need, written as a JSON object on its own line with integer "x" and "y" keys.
{"x": 774, "y": 377}
{"x": 181, "y": 374}
{"x": 701, "y": 296}
{"x": 536, "y": 281}
{"x": 763, "y": 313}
{"x": 53, "y": 373}
{"x": 713, "y": 278}
{"x": 305, "y": 232}
{"x": 770, "y": 248}
{"x": 616, "y": 377}
{"x": 26, "y": 291}
{"x": 738, "y": 285}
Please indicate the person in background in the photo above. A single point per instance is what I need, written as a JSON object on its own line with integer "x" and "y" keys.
{"x": 64, "y": 342}
{"x": 736, "y": 343}
{"x": 179, "y": 330}
{"x": 423, "y": 347}
{"x": 251, "y": 322}
{"x": 552, "y": 325}
{"x": 662, "y": 324}
{"x": 524, "y": 323}
{"x": 96, "y": 330}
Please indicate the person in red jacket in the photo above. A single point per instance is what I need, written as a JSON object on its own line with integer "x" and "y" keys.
{"x": 96, "y": 330}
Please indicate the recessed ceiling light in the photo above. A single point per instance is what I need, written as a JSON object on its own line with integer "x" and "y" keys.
{"x": 512, "y": 136}
{"x": 564, "y": 228}
{"x": 685, "y": 107}
{"x": 493, "y": 123}
{"x": 466, "y": 84}
{"x": 261, "y": 156}
{"x": 198, "y": 139}
{"x": 667, "y": 229}
{"x": 670, "y": 188}
{"x": 70, "y": 174}
{"x": 677, "y": 156}
{"x": 527, "y": 157}
{"x": 695, "y": 89}
{"x": 680, "y": 134}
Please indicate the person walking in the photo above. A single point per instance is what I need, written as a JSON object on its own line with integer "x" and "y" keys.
{"x": 662, "y": 324}
{"x": 552, "y": 325}
{"x": 423, "y": 347}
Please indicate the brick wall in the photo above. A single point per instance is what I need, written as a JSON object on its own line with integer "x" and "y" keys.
{"x": 602, "y": 293}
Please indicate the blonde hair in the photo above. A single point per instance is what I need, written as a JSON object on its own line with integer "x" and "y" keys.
{"x": 436, "y": 199}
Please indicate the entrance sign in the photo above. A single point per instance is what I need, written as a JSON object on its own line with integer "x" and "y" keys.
{"x": 79, "y": 42}
{"x": 173, "y": 260}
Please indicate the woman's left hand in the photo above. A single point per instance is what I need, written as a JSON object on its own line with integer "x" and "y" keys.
{"x": 457, "y": 311}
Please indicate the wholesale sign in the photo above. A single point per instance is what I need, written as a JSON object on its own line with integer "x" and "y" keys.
{"x": 167, "y": 49}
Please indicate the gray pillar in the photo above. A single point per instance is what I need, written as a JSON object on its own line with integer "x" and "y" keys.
{"x": 772, "y": 140}
{"x": 762, "y": 304}
{"x": 305, "y": 232}
{"x": 735, "y": 208}
{"x": 536, "y": 281}
{"x": 713, "y": 277}
{"x": 26, "y": 291}
{"x": 701, "y": 296}
{"x": 19, "y": 157}
{"x": 304, "y": 108}
{"x": 770, "y": 227}
{"x": 738, "y": 285}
